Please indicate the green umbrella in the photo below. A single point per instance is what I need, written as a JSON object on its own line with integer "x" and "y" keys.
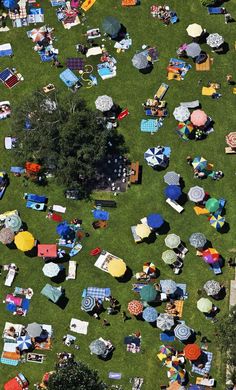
{"x": 172, "y": 241}
{"x": 148, "y": 293}
{"x": 169, "y": 257}
{"x": 111, "y": 26}
{"x": 204, "y": 305}
{"x": 212, "y": 205}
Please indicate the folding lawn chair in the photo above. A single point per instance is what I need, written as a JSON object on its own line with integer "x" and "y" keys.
{"x": 216, "y": 10}
{"x": 5, "y": 74}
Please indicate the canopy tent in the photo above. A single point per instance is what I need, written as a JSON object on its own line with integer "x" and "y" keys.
{"x": 24, "y": 241}
{"x": 104, "y": 103}
{"x": 231, "y": 139}
{"x": 204, "y": 305}
{"x": 192, "y": 351}
{"x": 156, "y": 157}
{"x": 172, "y": 241}
{"x": 169, "y": 257}
{"x": 214, "y": 40}
{"x": 194, "y": 30}
{"x": 197, "y": 240}
{"x": 88, "y": 303}
{"x": 172, "y": 178}
{"x": 210, "y": 255}
{"x": 168, "y": 286}
{"x": 155, "y": 221}
{"x": 98, "y": 347}
{"x": 196, "y": 194}
{"x": 116, "y": 267}
{"x": 24, "y": 342}
{"x": 140, "y": 61}
{"x": 34, "y": 329}
{"x": 217, "y": 221}
{"x": 149, "y": 268}
{"x": 111, "y": 26}
{"x": 199, "y": 163}
{"x": 181, "y": 113}
{"x": 135, "y": 307}
{"x": 148, "y": 293}
{"x": 47, "y": 250}
{"x": 52, "y": 293}
{"x": 173, "y": 192}
{"x": 193, "y": 50}
{"x": 184, "y": 129}
{"x": 143, "y": 231}
{"x": 182, "y": 332}
{"x": 52, "y": 269}
{"x": 6, "y": 236}
{"x": 198, "y": 118}
{"x": 13, "y": 222}
{"x": 212, "y": 287}
{"x": 150, "y": 314}
{"x": 165, "y": 321}
{"x": 212, "y": 205}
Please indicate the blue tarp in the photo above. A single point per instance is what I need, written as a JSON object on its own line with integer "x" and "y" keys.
{"x": 100, "y": 214}
{"x": 35, "y": 198}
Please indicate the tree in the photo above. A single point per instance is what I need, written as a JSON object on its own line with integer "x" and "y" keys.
{"x": 77, "y": 376}
{"x": 64, "y": 136}
{"x": 208, "y": 3}
{"x": 226, "y": 336}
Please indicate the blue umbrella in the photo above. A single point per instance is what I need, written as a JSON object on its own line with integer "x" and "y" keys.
{"x": 88, "y": 303}
{"x": 24, "y": 342}
{"x": 168, "y": 286}
{"x": 173, "y": 192}
{"x": 150, "y": 314}
{"x": 155, "y": 221}
{"x": 64, "y": 230}
{"x": 9, "y": 3}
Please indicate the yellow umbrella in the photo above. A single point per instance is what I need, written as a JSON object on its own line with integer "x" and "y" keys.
{"x": 24, "y": 241}
{"x": 143, "y": 231}
{"x": 116, "y": 267}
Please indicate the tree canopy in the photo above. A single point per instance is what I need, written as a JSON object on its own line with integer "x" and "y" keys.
{"x": 77, "y": 376}
{"x": 208, "y": 3}
{"x": 226, "y": 336}
{"x": 64, "y": 136}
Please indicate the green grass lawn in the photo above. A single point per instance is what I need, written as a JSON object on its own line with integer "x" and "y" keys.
{"x": 128, "y": 89}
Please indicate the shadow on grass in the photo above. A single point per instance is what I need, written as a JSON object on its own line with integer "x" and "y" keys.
{"x": 62, "y": 302}
{"x": 225, "y": 228}
{"x": 126, "y": 277}
{"x": 164, "y": 229}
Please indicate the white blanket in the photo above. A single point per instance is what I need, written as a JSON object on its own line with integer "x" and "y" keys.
{"x": 78, "y": 326}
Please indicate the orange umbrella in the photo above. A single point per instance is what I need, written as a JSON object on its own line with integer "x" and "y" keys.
{"x": 135, "y": 307}
{"x": 192, "y": 351}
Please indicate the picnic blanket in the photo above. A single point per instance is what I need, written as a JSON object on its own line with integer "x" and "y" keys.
{"x": 101, "y": 215}
{"x": 150, "y": 125}
{"x": 179, "y": 305}
{"x": 206, "y": 368}
{"x": 79, "y": 326}
{"x": 97, "y": 292}
{"x": 132, "y": 348}
{"x": 6, "y": 50}
{"x": 75, "y": 63}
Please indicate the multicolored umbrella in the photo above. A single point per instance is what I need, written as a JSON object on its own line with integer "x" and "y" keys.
{"x": 194, "y": 30}
{"x": 6, "y": 236}
{"x": 148, "y": 293}
{"x": 193, "y": 50}
{"x": 104, "y": 103}
{"x": 156, "y": 157}
{"x": 172, "y": 178}
{"x": 88, "y": 303}
{"x": 24, "y": 241}
{"x": 135, "y": 307}
{"x": 212, "y": 287}
{"x": 210, "y": 255}
{"x": 140, "y": 61}
{"x": 116, "y": 268}
{"x": 212, "y": 205}
{"x": 51, "y": 269}
{"x": 181, "y": 113}
{"x": 214, "y": 40}
{"x": 24, "y": 342}
{"x": 197, "y": 240}
{"x": 150, "y": 314}
{"x": 176, "y": 375}
{"x": 98, "y": 347}
{"x": 169, "y": 257}
{"x": 184, "y": 129}
{"x": 196, "y": 194}
{"x": 217, "y": 221}
{"x": 165, "y": 321}
{"x": 199, "y": 163}
{"x": 192, "y": 351}
{"x": 198, "y": 118}
{"x": 13, "y": 222}
{"x": 149, "y": 268}
{"x": 204, "y": 305}
{"x": 168, "y": 286}
{"x": 142, "y": 230}
{"x": 172, "y": 241}
{"x": 173, "y": 192}
{"x": 182, "y": 332}
{"x": 231, "y": 139}
{"x": 155, "y": 221}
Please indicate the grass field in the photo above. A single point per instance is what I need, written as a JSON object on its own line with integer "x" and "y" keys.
{"x": 129, "y": 89}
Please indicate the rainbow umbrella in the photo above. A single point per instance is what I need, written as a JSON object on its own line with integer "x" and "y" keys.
{"x": 184, "y": 129}
{"x": 176, "y": 375}
{"x": 217, "y": 221}
{"x": 149, "y": 268}
{"x": 212, "y": 205}
{"x": 210, "y": 255}
{"x": 199, "y": 163}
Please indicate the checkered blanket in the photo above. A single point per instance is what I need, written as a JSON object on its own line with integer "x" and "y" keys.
{"x": 75, "y": 63}
{"x": 99, "y": 293}
{"x": 150, "y": 125}
{"x": 22, "y": 14}
{"x": 206, "y": 368}
{"x": 132, "y": 348}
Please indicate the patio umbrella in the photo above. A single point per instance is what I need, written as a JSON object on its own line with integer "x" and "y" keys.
{"x": 150, "y": 314}
{"x": 192, "y": 351}
{"x": 198, "y": 118}
{"x": 98, "y": 347}
{"x": 210, "y": 255}
{"x": 176, "y": 375}
{"x": 37, "y": 35}
{"x": 148, "y": 293}
{"x": 24, "y": 241}
{"x": 217, "y": 221}
{"x": 173, "y": 192}
{"x": 63, "y": 229}
{"x": 135, "y": 307}
{"x": 172, "y": 241}
{"x": 24, "y": 342}
{"x": 88, "y": 303}
{"x": 111, "y": 26}
{"x": 194, "y": 30}
{"x": 116, "y": 267}
{"x": 140, "y": 61}
{"x": 172, "y": 178}
{"x": 181, "y": 113}
{"x": 184, "y": 129}
{"x": 143, "y": 231}
{"x": 212, "y": 205}
{"x": 196, "y": 194}
{"x": 165, "y": 321}
{"x": 197, "y": 240}
{"x": 6, "y": 236}
{"x": 182, "y": 332}
{"x": 204, "y": 305}
{"x": 155, "y": 221}
{"x": 165, "y": 351}
{"x": 193, "y": 50}
{"x": 212, "y": 287}
{"x": 104, "y": 103}
{"x": 51, "y": 269}
{"x": 149, "y": 268}
{"x": 34, "y": 329}
{"x": 199, "y": 163}
{"x": 168, "y": 286}
{"x": 156, "y": 157}
{"x": 13, "y": 222}
{"x": 169, "y": 257}
{"x": 231, "y": 139}
{"x": 214, "y": 40}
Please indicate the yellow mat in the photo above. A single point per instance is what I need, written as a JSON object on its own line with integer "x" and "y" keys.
{"x": 208, "y": 91}
{"x": 200, "y": 210}
{"x": 87, "y": 4}
{"x": 173, "y": 76}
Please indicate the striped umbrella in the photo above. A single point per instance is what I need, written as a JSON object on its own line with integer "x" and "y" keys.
{"x": 6, "y": 236}
{"x": 156, "y": 157}
{"x": 192, "y": 351}
{"x": 199, "y": 163}
{"x": 172, "y": 241}
{"x": 169, "y": 257}
{"x": 182, "y": 332}
{"x": 135, "y": 307}
{"x": 168, "y": 286}
{"x": 184, "y": 129}
{"x": 13, "y": 222}
{"x": 210, "y": 255}
{"x": 217, "y": 221}
{"x": 212, "y": 287}
{"x": 172, "y": 178}
{"x": 88, "y": 303}
{"x": 204, "y": 305}
{"x": 24, "y": 342}
{"x": 196, "y": 194}
{"x": 197, "y": 240}
{"x": 165, "y": 321}
{"x": 212, "y": 205}
{"x": 150, "y": 314}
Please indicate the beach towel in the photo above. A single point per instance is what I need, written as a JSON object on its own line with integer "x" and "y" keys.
{"x": 101, "y": 215}
{"x": 12, "y": 81}
{"x": 150, "y": 125}
{"x": 87, "y": 4}
{"x": 165, "y": 337}
{"x": 78, "y": 326}
{"x": 6, "y": 50}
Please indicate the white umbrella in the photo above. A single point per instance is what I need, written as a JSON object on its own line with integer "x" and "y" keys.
{"x": 104, "y": 103}
{"x": 194, "y": 30}
{"x": 212, "y": 287}
{"x": 214, "y": 40}
{"x": 172, "y": 178}
{"x": 140, "y": 61}
{"x": 165, "y": 321}
{"x": 196, "y": 194}
{"x": 193, "y": 50}
{"x": 181, "y": 113}
{"x": 172, "y": 241}
{"x": 51, "y": 269}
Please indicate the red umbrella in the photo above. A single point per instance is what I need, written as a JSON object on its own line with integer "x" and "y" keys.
{"x": 198, "y": 118}
{"x": 211, "y": 255}
{"x": 192, "y": 351}
{"x": 135, "y": 307}
{"x": 231, "y": 139}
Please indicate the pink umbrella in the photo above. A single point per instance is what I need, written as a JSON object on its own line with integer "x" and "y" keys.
{"x": 198, "y": 118}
